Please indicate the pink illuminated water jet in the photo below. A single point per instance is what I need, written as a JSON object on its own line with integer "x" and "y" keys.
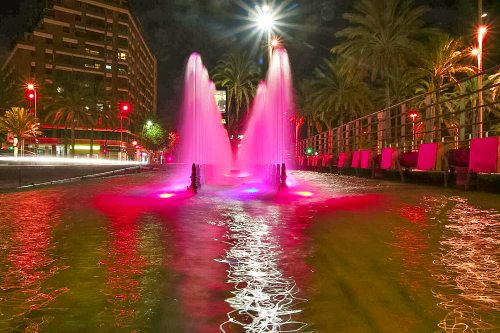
{"x": 204, "y": 141}
{"x": 268, "y": 142}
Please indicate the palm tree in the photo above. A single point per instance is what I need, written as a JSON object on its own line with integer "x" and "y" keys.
{"x": 306, "y": 113}
{"x": 339, "y": 93}
{"x": 240, "y": 76}
{"x": 383, "y": 36}
{"x": 495, "y": 79}
{"x": 21, "y": 123}
{"x": 69, "y": 106}
{"x": 100, "y": 112}
{"x": 445, "y": 58}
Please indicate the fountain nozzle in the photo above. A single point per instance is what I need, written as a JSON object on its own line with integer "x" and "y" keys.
{"x": 193, "y": 188}
{"x": 282, "y": 184}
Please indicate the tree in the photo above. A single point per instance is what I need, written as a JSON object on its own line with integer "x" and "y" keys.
{"x": 153, "y": 135}
{"x": 68, "y": 106}
{"x": 239, "y": 75}
{"x": 101, "y": 113}
{"x": 339, "y": 93}
{"x": 445, "y": 57}
{"x": 383, "y": 36}
{"x": 306, "y": 113}
{"x": 21, "y": 123}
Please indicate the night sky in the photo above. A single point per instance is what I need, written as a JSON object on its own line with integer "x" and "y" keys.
{"x": 175, "y": 28}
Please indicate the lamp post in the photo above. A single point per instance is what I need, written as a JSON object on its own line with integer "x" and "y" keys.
{"x": 413, "y": 114}
{"x": 480, "y": 37}
{"x": 32, "y": 96}
{"x": 124, "y": 110}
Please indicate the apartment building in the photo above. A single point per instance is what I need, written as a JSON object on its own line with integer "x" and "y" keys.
{"x": 95, "y": 41}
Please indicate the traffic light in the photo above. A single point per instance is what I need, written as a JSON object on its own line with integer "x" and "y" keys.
{"x": 30, "y": 95}
{"x": 30, "y": 92}
{"x": 125, "y": 109}
{"x": 309, "y": 151}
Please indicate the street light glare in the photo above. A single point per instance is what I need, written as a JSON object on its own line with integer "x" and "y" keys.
{"x": 484, "y": 15}
{"x": 482, "y": 30}
{"x": 265, "y": 21}
{"x": 149, "y": 123}
{"x": 475, "y": 52}
{"x": 30, "y": 86}
{"x": 275, "y": 43}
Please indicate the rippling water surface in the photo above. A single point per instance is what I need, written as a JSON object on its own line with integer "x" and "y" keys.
{"x": 343, "y": 255}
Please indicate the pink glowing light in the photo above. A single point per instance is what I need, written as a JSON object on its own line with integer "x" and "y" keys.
{"x": 251, "y": 190}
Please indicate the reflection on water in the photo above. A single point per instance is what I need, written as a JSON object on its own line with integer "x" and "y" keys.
{"x": 468, "y": 268}
{"x": 26, "y": 242}
{"x": 358, "y": 256}
{"x": 264, "y": 299}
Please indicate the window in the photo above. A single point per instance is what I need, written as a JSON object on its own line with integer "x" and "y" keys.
{"x": 94, "y": 65}
{"x": 49, "y": 57}
{"x": 48, "y": 40}
{"x": 109, "y": 67}
{"x": 122, "y": 56}
{"x": 92, "y": 51}
{"x": 123, "y": 70}
{"x": 70, "y": 45}
{"x": 48, "y": 71}
{"x": 66, "y": 29}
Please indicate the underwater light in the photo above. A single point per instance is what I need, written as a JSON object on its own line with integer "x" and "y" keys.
{"x": 251, "y": 190}
{"x": 304, "y": 193}
{"x": 166, "y": 195}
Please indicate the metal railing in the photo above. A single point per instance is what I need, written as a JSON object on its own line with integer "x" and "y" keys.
{"x": 448, "y": 115}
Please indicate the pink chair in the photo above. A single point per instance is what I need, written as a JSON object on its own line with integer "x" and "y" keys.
{"x": 366, "y": 156}
{"x": 356, "y": 157}
{"x": 483, "y": 158}
{"x": 428, "y": 158}
{"x": 342, "y": 161}
{"x": 389, "y": 157}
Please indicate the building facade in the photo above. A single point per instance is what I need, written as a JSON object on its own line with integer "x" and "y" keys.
{"x": 95, "y": 41}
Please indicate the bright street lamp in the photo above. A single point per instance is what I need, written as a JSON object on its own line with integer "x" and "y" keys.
{"x": 265, "y": 21}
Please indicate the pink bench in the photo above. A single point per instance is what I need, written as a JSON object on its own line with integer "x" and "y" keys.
{"x": 428, "y": 158}
{"x": 484, "y": 157}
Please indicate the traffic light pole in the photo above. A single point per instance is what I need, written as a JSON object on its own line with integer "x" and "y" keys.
{"x": 121, "y": 137}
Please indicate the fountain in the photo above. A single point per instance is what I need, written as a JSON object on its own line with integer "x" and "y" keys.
{"x": 204, "y": 141}
{"x": 267, "y": 142}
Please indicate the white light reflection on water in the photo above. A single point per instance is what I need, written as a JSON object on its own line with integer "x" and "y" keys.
{"x": 264, "y": 300}
{"x": 469, "y": 266}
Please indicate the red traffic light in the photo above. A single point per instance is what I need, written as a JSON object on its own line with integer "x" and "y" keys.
{"x": 30, "y": 95}
{"x": 125, "y": 109}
